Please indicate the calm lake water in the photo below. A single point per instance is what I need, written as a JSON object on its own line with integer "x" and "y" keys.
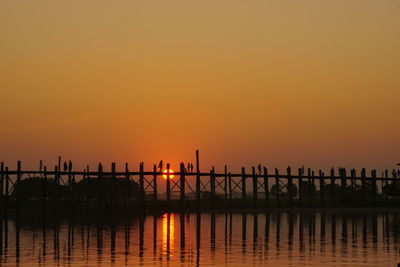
{"x": 237, "y": 239}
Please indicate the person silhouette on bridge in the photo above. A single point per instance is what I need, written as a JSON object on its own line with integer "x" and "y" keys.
{"x": 185, "y": 170}
{"x": 259, "y": 168}
{"x": 160, "y": 165}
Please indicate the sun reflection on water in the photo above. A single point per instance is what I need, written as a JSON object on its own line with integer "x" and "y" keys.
{"x": 168, "y": 233}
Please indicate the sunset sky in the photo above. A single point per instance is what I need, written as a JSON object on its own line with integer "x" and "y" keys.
{"x": 274, "y": 82}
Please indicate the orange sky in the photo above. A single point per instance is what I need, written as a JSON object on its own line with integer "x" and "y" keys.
{"x": 274, "y": 82}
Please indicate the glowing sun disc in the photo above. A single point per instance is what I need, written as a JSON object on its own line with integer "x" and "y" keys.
{"x": 171, "y": 175}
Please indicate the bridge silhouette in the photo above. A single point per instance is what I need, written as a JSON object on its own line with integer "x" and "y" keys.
{"x": 139, "y": 190}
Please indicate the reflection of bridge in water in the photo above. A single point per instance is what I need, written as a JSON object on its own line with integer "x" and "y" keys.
{"x": 210, "y": 238}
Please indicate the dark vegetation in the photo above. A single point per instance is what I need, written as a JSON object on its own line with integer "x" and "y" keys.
{"x": 36, "y": 188}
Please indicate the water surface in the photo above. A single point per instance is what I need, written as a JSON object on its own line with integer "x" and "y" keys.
{"x": 204, "y": 239}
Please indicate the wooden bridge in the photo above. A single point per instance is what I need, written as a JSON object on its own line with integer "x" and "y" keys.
{"x": 300, "y": 188}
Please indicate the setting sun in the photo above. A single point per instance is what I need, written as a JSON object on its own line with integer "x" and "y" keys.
{"x": 171, "y": 175}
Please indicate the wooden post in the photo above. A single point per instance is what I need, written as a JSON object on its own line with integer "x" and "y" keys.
{"x": 333, "y": 183}
{"x": 363, "y": 185}
{"x": 168, "y": 183}
{"x": 342, "y": 173}
{"x": 88, "y": 185}
{"x": 57, "y": 183}
{"x": 395, "y": 181}
{"x": 313, "y": 186}
{"x": 230, "y": 189}
{"x": 266, "y": 187}
{"x": 226, "y": 182}
{"x": 7, "y": 195}
{"x": 300, "y": 171}
{"x": 198, "y": 194}
{"x": 1, "y": 190}
{"x": 278, "y": 201}
{"x": 382, "y": 198}
{"x": 113, "y": 186}
{"x": 44, "y": 191}
{"x": 155, "y": 192}
{"x": 57, "y": 175}
{"x": 244, "y": 193}
{"x": 255, "y": 187}
{"x": 290, "y": 186}
{"x": 100, "y": 188}
{"x": 212, "y": 186}
{"x": 353, "y": 175}
{"x": 321, "y": 187}
{"x": 1, "y": 224}
{"x": 57, "y": 179}
{"x": 128, "y": 187}
{"x": 386, "y": 184}
{"x": 374, "y": 187}
{"x": 182, "y": 184}
{"x": 310, "y": 189}
{"x": 69, "y": 177}
{"x": 69, "y": 185}
{"x": 141, "y": 184}
{"x": 19, "y": 175}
